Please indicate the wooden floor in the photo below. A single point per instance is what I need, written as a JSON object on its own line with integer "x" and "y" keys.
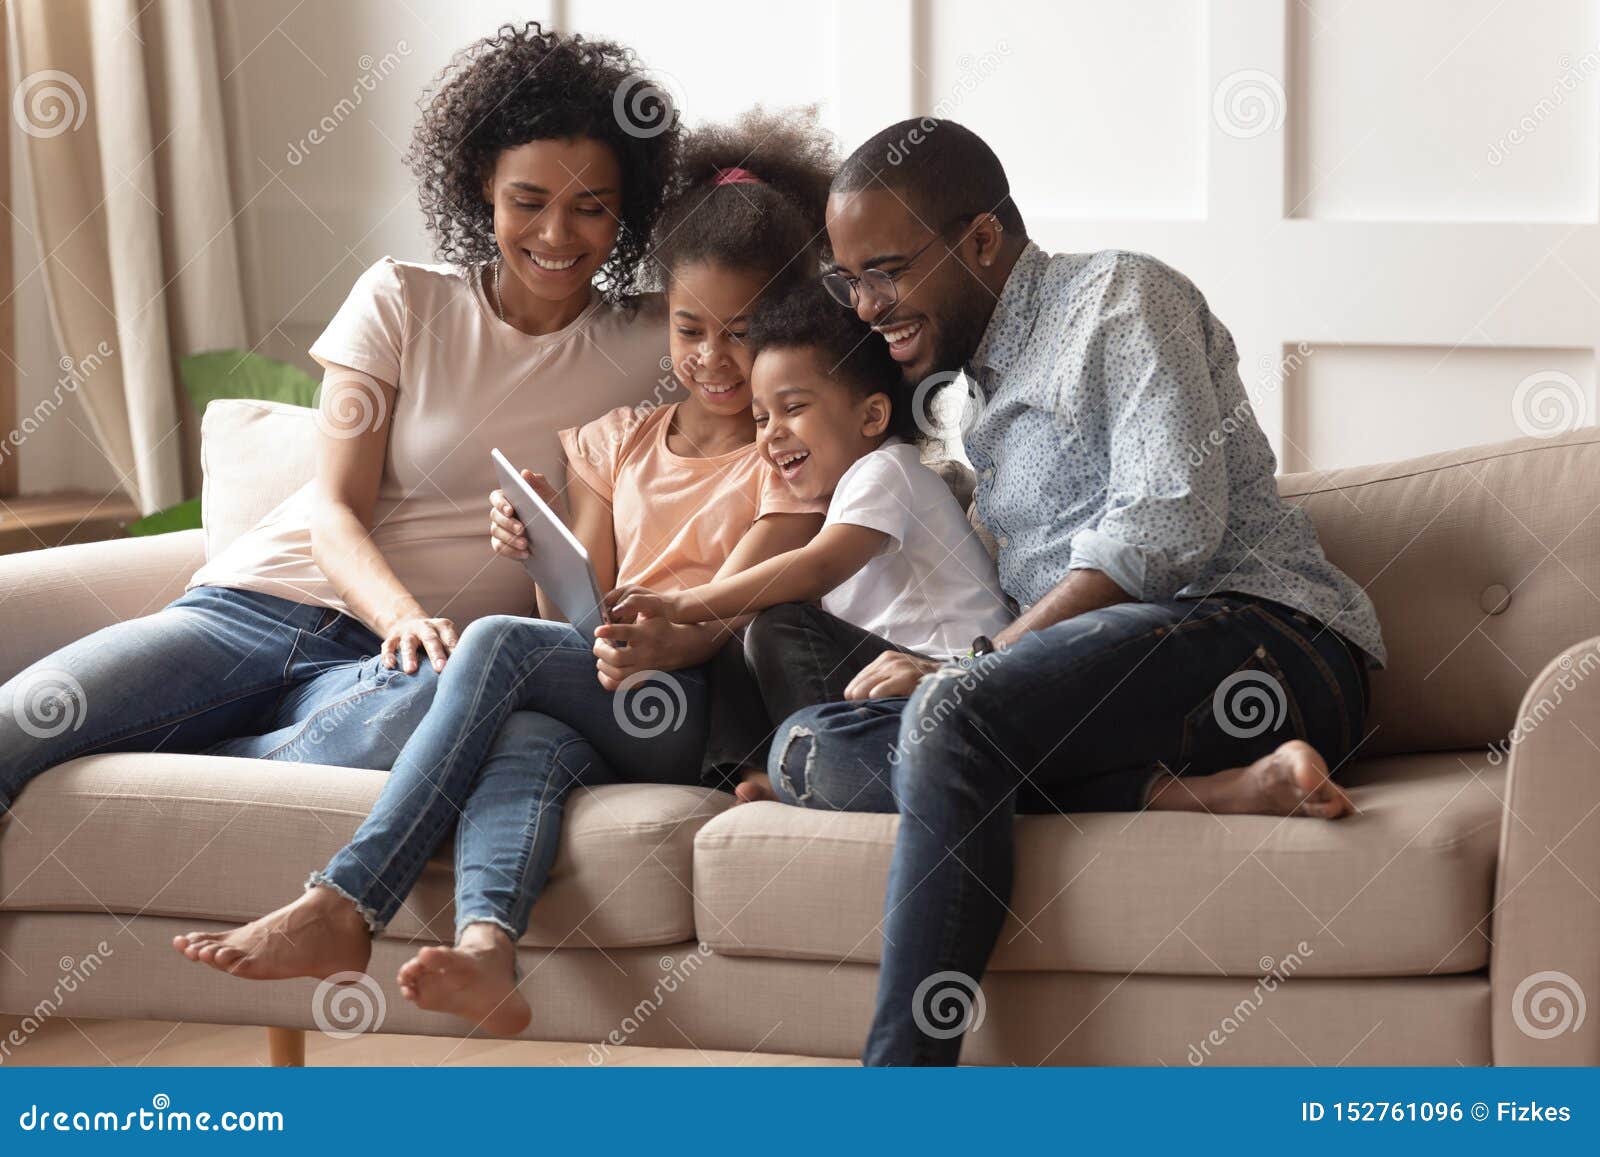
{"x": 75, "y": 1041}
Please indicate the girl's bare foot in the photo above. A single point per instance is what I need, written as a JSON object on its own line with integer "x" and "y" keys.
{"x": 1291, "y": 781}
{"x": 753, "y": 787}
{"x": 318, "y": 935}
{"x": 476, "y": 980}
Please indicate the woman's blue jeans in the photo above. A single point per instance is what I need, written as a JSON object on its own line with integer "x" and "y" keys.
{"x": 518, "y": 721}
{"x": 220, "y": 671}
{"x": 1082, "y": 716}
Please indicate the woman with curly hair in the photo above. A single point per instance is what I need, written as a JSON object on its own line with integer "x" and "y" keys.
{"x": 675, "y": 495}
{"x": 302, "y": 640}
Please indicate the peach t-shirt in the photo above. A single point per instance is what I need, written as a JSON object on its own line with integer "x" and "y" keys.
{"x": 676, "y": 519}
{"x": 465, "y": 382}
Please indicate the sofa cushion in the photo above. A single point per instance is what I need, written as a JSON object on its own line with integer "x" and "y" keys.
{"x": 228, "y": 839}
{"x": 1402, "y": 888}
{"x": 1481, "y": 563}
{"x": 254, "y": 454}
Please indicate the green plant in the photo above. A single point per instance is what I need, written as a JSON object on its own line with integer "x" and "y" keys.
{"x": 184, "y": 516}
{"x": 242, "y": 374}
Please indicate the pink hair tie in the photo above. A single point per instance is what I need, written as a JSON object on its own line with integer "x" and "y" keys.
{"x": 736, "y": 176}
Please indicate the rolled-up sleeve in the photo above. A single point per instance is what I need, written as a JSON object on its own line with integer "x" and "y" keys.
{"x": 1166, "y": 506}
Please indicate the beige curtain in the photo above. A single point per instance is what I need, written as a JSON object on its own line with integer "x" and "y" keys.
{"x": 120, "y": 102}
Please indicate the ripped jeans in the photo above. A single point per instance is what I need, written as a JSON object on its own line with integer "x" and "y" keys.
{"x": 1085, "y": 715}
{"x": 219, "y": 671}
{"x": 791, "y": 656}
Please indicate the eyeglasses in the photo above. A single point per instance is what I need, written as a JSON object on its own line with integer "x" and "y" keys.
{"x": 882, "y": 287}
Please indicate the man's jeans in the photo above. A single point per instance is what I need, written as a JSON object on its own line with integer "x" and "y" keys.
{"x": 519, "y": 720}
{"x": 222, "y": 671}
{"x": 1082, "y": 716}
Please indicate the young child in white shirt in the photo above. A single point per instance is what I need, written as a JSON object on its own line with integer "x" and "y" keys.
{"x": 896, "y": 566}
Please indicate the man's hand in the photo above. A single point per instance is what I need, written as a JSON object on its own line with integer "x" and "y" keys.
{"x": 1079, "y": 593}
{"x": 627, "y": 603}
{"x": 890, "y": 675}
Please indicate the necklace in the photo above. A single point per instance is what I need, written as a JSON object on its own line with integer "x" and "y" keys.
{"x": 499, "y": 305}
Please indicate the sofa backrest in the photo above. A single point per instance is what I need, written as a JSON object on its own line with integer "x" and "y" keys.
{"x": 1484, "y": 564}
{"x": 254, "y": 454}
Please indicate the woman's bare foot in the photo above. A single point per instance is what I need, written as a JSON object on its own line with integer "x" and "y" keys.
{"x": 476, "y": 980}
{"x": 1291, "y": 781}
{"x": 753, "y": 787}
{"x": 318, "y": 935}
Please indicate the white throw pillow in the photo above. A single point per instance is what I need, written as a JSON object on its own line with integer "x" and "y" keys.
{"x": 254, "y": 454}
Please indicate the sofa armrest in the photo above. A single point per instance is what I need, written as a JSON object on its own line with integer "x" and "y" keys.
{"x": 48, "y": 598}
{"x": 1545, "y": 964}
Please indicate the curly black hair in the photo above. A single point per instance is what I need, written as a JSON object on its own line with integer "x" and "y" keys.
{"x": 844, "y": 347}
{"x": 525, "y": 84}
{"x": 772, "y": 224}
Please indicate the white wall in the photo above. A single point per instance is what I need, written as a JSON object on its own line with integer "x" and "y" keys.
{"x": 1393, "y": 207}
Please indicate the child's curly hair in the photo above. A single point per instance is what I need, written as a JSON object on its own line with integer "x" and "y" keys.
{"x": 525, "y": 84}
{"x": 844, "y": 348}
{"x": 772, "y": 224}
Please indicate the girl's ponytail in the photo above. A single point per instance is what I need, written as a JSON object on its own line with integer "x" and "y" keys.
{"x": 749, "y": 196}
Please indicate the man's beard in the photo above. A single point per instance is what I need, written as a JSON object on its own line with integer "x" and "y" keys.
{"x": 958, "y": 329}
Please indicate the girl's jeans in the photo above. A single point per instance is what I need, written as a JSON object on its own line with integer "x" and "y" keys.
{"x": 518, "y": 721}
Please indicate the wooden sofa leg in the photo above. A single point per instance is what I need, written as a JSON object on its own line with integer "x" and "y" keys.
{"x": 287, "y": 1047}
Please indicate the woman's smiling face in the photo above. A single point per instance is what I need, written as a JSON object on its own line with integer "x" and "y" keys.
{"x": 709, "y": 310}
{"x": 557, "y": 205}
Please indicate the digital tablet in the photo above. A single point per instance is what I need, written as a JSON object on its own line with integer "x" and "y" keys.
{"x": 556, "y": 559}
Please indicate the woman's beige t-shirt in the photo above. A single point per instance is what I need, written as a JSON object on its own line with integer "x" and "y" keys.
{"x": 676, "y": 519}
{"x": 465, "y": 382}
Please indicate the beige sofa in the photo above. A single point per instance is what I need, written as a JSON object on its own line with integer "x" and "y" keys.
{"x": 1444, "y": 924}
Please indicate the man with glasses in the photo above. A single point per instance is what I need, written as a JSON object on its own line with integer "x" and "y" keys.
{"x": 1182, "y": 643}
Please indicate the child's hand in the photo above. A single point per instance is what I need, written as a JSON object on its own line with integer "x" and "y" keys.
{"x": 507, "y": 535}
{"x": 627, "y": 603}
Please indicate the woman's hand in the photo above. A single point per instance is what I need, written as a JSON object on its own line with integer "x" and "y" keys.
{"x": 889, "y": 676}
{"x": 507, "y": 535}
{"x": 436, "y": 636}
{"x": 630, "y": 602}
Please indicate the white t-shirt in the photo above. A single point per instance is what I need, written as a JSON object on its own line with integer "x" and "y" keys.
{"x": 465, "y": 381}
{"x": 933, "y": 587}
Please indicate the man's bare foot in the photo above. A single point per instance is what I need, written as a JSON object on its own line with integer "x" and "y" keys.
{"x": 1291, "y": 781}
{"x": 318, "y": 935}
{"x": 476, "y": 980}
{"x": 753, "y": 787}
